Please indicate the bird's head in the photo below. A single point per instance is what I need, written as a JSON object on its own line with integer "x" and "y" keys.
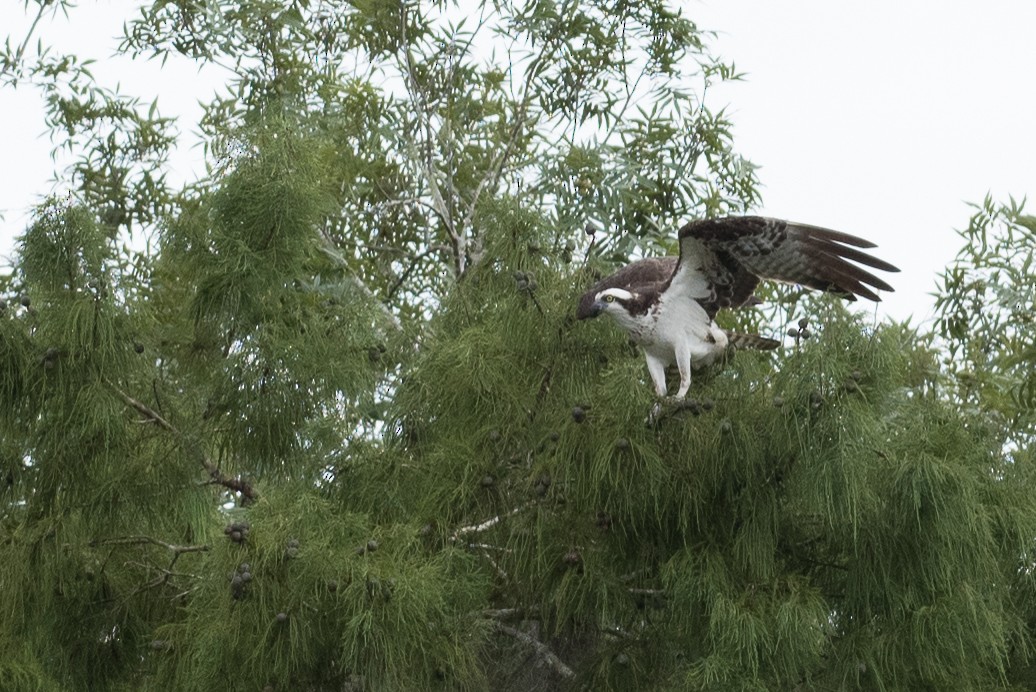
{"x": 616, "y": 302}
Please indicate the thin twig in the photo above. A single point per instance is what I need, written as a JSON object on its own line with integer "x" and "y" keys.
{"x": 542, "y": 649}
{"x": 409, "y": 270}
{"x": 487, "y": 524}
{"x": 164, "y": 573}
{"x": 138, "y": 540}
{"x": 499, "y": 570}
{"x": 235, "y": 484}
{"x": 32, "y": 29}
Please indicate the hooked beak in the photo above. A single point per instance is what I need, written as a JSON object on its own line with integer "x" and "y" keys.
{"x": 596, "y": 309}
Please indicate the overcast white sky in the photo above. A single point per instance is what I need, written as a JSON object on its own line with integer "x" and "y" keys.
{"x": 880, "y": 118}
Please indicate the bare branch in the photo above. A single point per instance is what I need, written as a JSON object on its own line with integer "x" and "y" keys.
{"x": 140, "y": 540}
{"x": 542, "y": 649}
{"x": 488, "y": 523}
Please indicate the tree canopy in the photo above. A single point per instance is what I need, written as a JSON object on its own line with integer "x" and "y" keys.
{"x": 334, "y": 426}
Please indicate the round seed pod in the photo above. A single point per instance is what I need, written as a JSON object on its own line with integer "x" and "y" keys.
{"x": 578, "y": 414}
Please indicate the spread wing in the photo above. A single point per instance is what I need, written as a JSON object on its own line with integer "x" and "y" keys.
{"x": 722, "y": 260}
{"x": 633, "y": 277}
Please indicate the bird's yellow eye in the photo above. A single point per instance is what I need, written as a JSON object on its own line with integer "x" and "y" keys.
{"x": 609, "y": 299}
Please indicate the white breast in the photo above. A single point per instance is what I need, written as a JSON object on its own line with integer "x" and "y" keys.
{"x": 678, "y": 321}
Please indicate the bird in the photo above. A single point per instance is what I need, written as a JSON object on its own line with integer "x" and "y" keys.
{"x": 668, "y": 305}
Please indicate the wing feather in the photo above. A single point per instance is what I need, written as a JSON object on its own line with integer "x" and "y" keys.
{"x": 731, "y": 251}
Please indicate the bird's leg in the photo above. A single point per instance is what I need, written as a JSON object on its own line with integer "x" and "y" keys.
{"x": 683, "y": 362}
{"x": 656, "y": 368}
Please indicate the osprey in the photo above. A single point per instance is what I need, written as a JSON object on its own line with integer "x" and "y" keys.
{"x": 668, "y": 304}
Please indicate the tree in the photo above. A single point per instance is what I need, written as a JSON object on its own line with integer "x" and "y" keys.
{"x": 339, "y": 430}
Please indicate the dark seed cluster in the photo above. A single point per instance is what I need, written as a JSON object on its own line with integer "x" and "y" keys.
{"x": 566, "y": 252}
{"x": 240, "y": 580}
{"x": 380, "y": 589}
{"x": 374, "y": 353}
{"x": 578, "y": 414}
{"x": 370, "y": 547}
{"x": 292, "y": 550}
{"x": 802, "y": 332}
{"x": 524, "y": 282}
{"x": 237, "y": 531}
{"x": 542, "y": 484}
{"x": 50, "y": 357}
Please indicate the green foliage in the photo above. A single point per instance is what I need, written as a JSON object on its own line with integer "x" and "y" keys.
{"x": 985, "y": 314}
{"x": 335, "y": 427}
{"x": 322, "y": 595}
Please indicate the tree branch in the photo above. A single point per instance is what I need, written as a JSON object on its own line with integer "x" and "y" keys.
{"x": 487, "y": 524}
{"x": 542, "y": 649}
{"x": 140, "y": 540}
{"x": 238, "y": 485}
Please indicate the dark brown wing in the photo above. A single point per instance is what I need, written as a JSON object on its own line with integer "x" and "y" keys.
{"x": 733, "y": 253}
{"x": 645, "y": 272}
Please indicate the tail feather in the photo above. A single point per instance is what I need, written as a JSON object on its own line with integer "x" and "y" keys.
{"x": 753, "y": 341}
